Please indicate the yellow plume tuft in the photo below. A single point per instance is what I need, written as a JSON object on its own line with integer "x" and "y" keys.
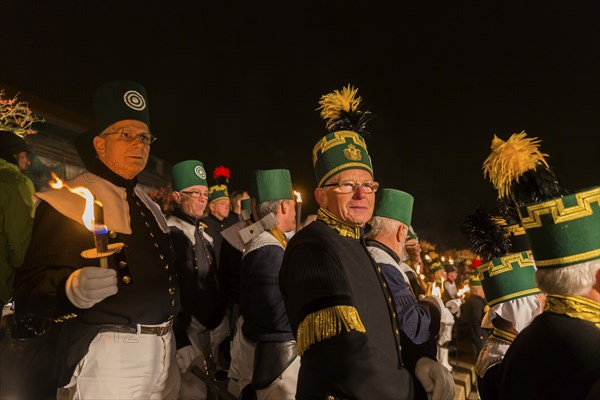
{"x": 511, "y": 159}
{"x": 332, "y": 104}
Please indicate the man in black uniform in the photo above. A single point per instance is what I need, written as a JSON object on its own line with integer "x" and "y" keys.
{"x": 202, "y": 301}
{"x": 338, "y": 303}
{"x": 219, "y": 209}
{"x": 114, "y": 324}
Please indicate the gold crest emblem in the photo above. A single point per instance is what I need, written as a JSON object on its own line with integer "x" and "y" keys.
{"x": 352, "y": 153}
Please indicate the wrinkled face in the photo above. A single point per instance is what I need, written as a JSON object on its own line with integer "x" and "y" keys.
{"x": 220, "y": 208}
{"x": 23, "y": 161}
{"x": 126, "y": 159}
{"x": 192, "y": 200}
{"x": 355, "y": 208}
{"x": 287, "y": 220}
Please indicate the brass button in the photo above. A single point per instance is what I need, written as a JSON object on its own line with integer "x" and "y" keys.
{"x": 166, "y": 267}
{"x": 394, "y": 314}
{"x": 161, "y": 256}
{"x": 397, "y": 331}
{"x": 156, "y": 245}
{"x": 126, "y": 279}
{"x": 151, "y": 234}
{"x": 172, "y": 290}
{"x": 143, "y": 214}
{"x": 122, "y": 264}
{"x": 138, "y": 203}
{"x": 112, "y": 234}
{"x": 172, "y": 303}
{"x": 170, "y": 278}
{"x": 384, "y": 285}
{"x": 378, "y": 269}
{"x": 390, "y": 299}
{"x": 147, "y": 224}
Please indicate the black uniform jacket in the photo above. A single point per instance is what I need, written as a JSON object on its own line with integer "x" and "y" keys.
{"x": 342, "y": 315}
{"x": 555, "y": 357}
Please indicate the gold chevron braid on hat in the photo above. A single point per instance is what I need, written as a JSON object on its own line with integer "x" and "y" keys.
{"x": 16, "y": 117}
{"x": 510, "y": 159}
{"x": 332, "y": 104}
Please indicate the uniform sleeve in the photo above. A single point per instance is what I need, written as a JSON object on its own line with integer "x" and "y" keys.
{"x": 414, "y": 318}
{"x": 18, "y": 213}
{"x": 54, "y": 252}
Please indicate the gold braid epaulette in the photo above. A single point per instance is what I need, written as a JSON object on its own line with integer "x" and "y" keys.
{"x": 327, "y": 323}
{"x": 504, "y": 335}
{"x": 575, "y": 307}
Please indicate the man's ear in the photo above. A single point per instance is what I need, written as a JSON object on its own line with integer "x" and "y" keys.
{"x": 176, "y": 197}
{"x": 401, "y": 233}
{"x": 99, "y": 145}
{"x": 321, "y": 197}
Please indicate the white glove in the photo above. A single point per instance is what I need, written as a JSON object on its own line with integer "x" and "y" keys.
{"x": 90, "y": 285}
{"x": 435, "y": 378}
{"x": 454, "y": 305}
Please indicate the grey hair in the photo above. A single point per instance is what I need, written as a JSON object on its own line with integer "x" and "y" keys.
{"x": 383, "y": 226}
{"x": 266, "y": 207}
{"x": 574, "y": 280}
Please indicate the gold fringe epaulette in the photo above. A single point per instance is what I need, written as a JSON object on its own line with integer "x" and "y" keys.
{"x": 327, "y": 323}
{"x": 332, "y": 104}
{"x": 511, "y": 159}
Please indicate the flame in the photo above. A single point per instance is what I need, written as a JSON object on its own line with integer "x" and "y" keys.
{"x": 418, "y": 269}
{"x": 88, "y": 212}
{"x": 435, "y": 290}
{"x": 298, "y": 197}
{"x": 464, "y": 290}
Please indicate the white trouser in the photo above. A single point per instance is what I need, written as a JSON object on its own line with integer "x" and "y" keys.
{"x": 126, "y": 366}
{"x": 242, "y": 366}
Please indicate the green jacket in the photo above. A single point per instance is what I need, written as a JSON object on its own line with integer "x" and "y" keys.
{"x": 16, "y": 222}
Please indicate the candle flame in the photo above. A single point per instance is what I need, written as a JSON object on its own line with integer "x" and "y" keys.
{"x": 418, "y": 269}
{"x": 88, "y": 212}
{"x": 464, "y": 290}
{"x": 298, "y": 197}
{"x": 435, "y": 290}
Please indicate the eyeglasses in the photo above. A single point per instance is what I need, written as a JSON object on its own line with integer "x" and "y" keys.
{"x": 195, "y": 195}
{"x": 351, "y": 186}
{"x": 128, "y": 135}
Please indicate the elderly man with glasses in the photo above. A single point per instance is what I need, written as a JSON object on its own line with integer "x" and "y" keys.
{"x": 338, "y": 302}
{"x": 112, "y": 325}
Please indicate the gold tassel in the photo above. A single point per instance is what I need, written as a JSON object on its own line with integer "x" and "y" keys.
{"x": 511, "y": 159}
{"x": 332, "y": 104}
{"x": 327, "y": 323}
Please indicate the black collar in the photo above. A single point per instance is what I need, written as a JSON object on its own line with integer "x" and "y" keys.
{"x": 100, "y": 169}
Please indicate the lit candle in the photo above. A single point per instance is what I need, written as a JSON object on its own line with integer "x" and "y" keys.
{"x": 298, "y": 209}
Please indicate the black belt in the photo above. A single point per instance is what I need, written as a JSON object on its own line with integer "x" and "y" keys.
{"x": 143, "y": 329}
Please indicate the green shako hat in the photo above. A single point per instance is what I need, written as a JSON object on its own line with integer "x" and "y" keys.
{"x": 474, "y": 281}
{"x": 219, "y": 190}
{"x": 344, "y": 148}
{"x": 508, "y": 277}
{"x": 435, "y": 267}
{"x": 394, "y": 204}
{"x": 120, "y": 100}
{"x": 187, "y": 173}
{"x": 565, "y": 230}
{"x": 273, "y": 184}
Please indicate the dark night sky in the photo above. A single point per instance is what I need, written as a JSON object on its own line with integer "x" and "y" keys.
{"x": 238, "y": 84}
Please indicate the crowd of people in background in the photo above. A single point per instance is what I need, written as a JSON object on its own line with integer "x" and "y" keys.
{"x": 226, "y": 294}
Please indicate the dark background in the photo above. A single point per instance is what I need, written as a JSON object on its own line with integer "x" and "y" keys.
{"x": 237, "y": 84}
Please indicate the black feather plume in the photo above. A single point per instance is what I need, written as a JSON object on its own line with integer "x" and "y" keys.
{"x": 535, "y": 186}
{"x": 485, "y": 234}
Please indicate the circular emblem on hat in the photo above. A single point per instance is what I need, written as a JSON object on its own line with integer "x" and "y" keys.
{"x": 134, "y": 100}
{"x": 200, "y": 172}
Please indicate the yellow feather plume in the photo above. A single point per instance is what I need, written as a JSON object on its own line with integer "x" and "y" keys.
{"x": 332, "y": 104}
{"x": 511, "y": 159}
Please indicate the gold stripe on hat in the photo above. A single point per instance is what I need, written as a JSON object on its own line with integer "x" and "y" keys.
{"x": 569, "y": 259}
{"x": 339, "y": 138}
{"x": 506, "y": 264}
{"x": 559, "y": 212}
{"x": 515, "y": 295}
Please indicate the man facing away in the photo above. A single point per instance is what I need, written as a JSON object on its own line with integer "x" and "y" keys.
{"x": 114, "y": 335}
{"x": 263, "y": 354}
{"x": 338, "y": 303}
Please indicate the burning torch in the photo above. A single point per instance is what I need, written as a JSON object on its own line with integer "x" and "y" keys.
{"x": 298, "y": 209}
{"x": 93, "y": 219}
